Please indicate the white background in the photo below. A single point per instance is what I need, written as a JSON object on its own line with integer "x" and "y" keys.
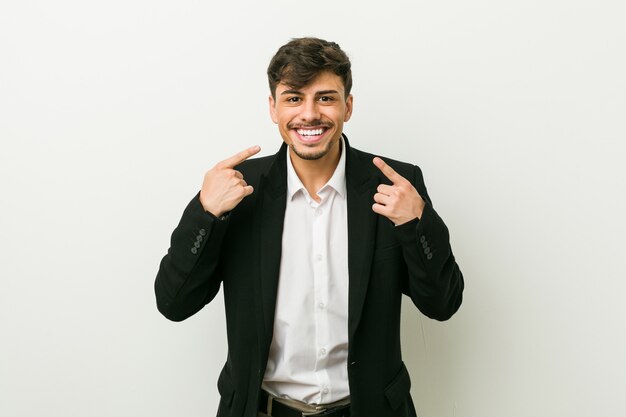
{"x": 111, "y": 112}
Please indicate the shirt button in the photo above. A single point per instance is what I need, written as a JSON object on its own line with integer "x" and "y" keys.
{"x": 321, "y": 305}
{"x": 325, "y": 390}
{"x": 322, "y": 352}
{"x": 318, "y": 257}
{"x": 319, "y": 211}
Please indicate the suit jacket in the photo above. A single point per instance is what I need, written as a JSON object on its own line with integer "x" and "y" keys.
{"x": 242, "y": 254}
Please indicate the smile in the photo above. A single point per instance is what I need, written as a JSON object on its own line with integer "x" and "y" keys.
{"x": 311, "y": 135}
{"x": 310, "y": 132}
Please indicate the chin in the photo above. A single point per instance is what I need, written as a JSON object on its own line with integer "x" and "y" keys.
{"x": 312, "y": 153}
{"x": 309, "y": 156}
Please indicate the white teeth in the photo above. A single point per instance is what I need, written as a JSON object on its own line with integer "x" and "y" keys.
{"x": 310, "y": 132}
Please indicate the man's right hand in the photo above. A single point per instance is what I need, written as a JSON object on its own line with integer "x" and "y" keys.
{"x": 224, "y": 187}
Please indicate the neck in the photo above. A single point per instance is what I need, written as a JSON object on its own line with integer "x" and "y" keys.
{"x": 314, "y": 174}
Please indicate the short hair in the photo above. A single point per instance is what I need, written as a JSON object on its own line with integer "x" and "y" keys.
{"x": 299, "y": 61}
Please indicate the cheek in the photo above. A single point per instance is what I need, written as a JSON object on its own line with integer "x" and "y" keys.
{"x": 283, "y": 117}
{"x": 283, "y": 122}
{"x": 336, "y": 113}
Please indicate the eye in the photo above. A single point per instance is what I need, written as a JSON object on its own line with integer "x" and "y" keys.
{"x": 294, "y": 99}
{"x": 327, "y": 98}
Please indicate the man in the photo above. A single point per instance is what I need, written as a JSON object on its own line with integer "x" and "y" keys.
{"x": 314, "y": 247}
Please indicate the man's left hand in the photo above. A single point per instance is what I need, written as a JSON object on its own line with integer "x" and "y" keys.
{"x": 399, "y": 202}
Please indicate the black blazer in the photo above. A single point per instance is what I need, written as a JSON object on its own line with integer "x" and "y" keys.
{"x": 242, "y": 253}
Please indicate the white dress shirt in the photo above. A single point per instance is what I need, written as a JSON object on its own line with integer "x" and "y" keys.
{"x": 308, "y": 356}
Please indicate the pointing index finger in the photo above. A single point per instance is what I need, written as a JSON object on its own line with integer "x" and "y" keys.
{"x": 239, "y": 157}
{"x": 389, "y": 172}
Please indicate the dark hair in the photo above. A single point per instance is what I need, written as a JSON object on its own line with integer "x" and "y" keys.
{"x": 298, "y": 62}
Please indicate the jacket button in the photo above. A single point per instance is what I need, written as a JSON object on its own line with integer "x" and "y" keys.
{"x": 424, "y": 244}
{"x": 202, "y": 232}
{"x": 429, "y": 256}
{"x": 197, "y": 245}
{"x": 194, "y": 250}
{"x": 427, "y": 251}
{"x": 423, "y": 239}
{"x": 199, "y": 238}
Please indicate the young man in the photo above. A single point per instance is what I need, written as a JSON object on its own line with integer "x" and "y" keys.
{"x": 314, "y": 247}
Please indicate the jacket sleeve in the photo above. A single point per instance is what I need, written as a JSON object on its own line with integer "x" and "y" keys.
{"x": 188, "y": 276}
{"x": 435, "y": 282}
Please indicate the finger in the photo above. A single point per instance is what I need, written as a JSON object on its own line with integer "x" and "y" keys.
{"x": 381, "y": 199}
{"x": 380, "y": 209}
{"x": 248, "y": 190}
{"x": 239, "y": 157}
{"x": 387, "y": 170}
{"x": 385, "y": 189}
{"x": 238, "y": 174}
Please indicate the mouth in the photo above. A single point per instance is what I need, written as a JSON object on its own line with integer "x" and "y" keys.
{"x": 311, "y": 135}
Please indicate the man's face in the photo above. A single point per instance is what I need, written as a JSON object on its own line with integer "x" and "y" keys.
{"x": 310, "y": 119}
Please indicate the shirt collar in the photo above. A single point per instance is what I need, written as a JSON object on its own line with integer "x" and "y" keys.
{"x": 336, "y": 182}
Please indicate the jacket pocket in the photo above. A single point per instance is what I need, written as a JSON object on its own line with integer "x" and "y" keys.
{"x": 397, "y": 392}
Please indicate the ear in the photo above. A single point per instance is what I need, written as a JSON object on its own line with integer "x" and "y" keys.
{"x": 348, "y": 113}
{"x": 273, "y": 114}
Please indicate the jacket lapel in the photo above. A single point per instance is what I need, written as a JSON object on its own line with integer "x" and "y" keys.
{"x": 361, "y": 187}
{"x": 269, "y": 222}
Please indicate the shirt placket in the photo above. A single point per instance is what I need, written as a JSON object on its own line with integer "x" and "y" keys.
{"x": 321, "y": 283}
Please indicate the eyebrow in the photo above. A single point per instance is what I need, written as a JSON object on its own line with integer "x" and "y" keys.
{"x": 317, "y": 93}
{"x": 325, "y": 92}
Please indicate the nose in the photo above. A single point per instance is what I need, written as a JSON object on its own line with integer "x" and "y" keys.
{"x": 310, "y": 111}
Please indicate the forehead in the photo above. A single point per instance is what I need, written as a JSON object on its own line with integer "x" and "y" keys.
{"x": 324, "y": 81}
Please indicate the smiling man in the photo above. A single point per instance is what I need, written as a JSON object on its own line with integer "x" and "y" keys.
{"x": 314, "y": 247}
{"x": 310, "y": 118}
